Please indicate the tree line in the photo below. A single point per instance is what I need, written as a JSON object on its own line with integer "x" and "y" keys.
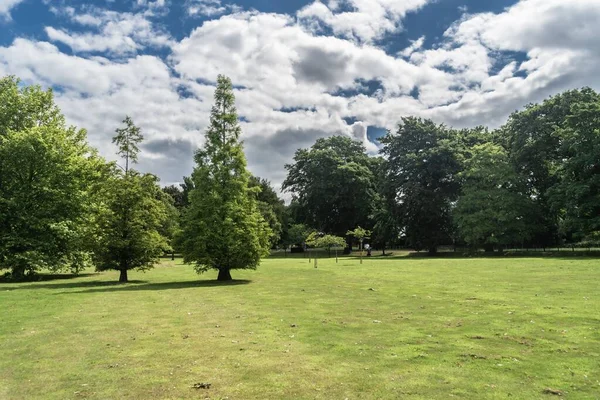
{"x": 532, "y": 182}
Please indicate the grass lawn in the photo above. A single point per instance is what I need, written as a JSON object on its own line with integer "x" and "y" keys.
{"x": 482, "y": 328}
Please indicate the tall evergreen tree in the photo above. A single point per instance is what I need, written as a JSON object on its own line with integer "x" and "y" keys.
{"x": 223, "y": 228}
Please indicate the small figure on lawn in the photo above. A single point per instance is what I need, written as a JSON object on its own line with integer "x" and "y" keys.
{"x": 368, "y": 248}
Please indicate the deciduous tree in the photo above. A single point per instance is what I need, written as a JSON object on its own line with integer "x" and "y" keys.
{"x": 332, "y": 185}
{"x": 492, "y": 209}
{"x": 422, "y": 165}
{"x": 134, "y": 213}
{"x": 46, "y": 171}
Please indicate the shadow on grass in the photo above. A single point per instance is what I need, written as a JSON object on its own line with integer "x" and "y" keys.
{"x": 72, "y": 285}
{"x": 45, "y": 278}
{"x": 128, "y": 287}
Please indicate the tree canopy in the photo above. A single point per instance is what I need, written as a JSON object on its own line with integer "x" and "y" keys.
{"x": 332, "y": 184}
{"x": 47, "y": 171}
{"x": 422, "y": 166}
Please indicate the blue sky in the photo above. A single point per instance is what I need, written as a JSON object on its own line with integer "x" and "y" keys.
{"x": 303, "y": 69}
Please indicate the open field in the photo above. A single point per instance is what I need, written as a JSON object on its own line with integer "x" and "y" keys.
{"x": 484, "y": 328}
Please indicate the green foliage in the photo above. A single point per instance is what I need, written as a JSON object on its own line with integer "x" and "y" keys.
{"x": 135, "y": 214}
{"x": 26, "y": 107}
{"x": 332, "y": 184}
{"x": 492, "y": 209}
{"x": 422, "y": 165}
{"x": 534, "y": 139}
{"x": 131, "y": 219}
{"x": 170, "y": 227}
{"x": 127, "y": 140}
{"x": 271, "y": 207}
{"x": 325, "y": 241}
{"x": 576, "y": 197}
{"x": 177, "y": 195}
{"x": 223, "y": 228}
{"x": 386, "y": 228}
{"x": 360, "y": 234}
{"x": 297, "y": 234}
{"x": 46, "y": 171}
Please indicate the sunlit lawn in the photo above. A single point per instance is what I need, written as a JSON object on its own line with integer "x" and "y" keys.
{"x": 387, "y": 329}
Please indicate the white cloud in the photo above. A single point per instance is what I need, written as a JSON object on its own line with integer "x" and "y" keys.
{"x": 97, "y": 94}
{"x": 210, "y": 8}
{"x": 6, "y": 6}
{"x": 414, "y": 46}
{"x": 114, "y": 32}
{"x": 363, "y": 20}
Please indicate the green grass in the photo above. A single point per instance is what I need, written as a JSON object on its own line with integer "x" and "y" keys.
{"x": 431, "y": 328}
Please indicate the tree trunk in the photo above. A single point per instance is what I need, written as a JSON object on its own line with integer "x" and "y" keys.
{"x": 18, "y": 273}
{"x": 488, "y": 248}
{"x": 123, "y": 276}
{"x": 383, "y": 250}
{"x": 173, "y": 256}
{"x": 224, "y": 275}
{"x": 432, "y": 250}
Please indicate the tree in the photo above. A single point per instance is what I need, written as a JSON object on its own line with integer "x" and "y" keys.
{"x": 422, "y": 165}
{"x": 26, "y": 107}
{"x": 360, "y": 234}
{"x": 533, "y": 138}
{"x": 133, "y": 214}
{"x": 46, "y": 170}
{"x": 385, "y": 229}
{"x": 127, "y": 140}
{"x": 492, "y": 209}
{"x": 576, "y": 198}
{"x": 297, "y": 234}
{"x": 177, "y": 194}
{"x": 45, "y": 205}
{"x": 223, "y": 228}
{"x": 332, "y": 185}
{"x": 271, "y": 207}
{"x": 325, "y": 242}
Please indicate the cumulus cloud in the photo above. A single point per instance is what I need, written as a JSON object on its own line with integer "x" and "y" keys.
{"x": 114, "y": 32}
{"x": 363, "y": 20}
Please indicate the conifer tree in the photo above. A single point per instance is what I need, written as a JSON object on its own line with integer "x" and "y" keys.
{"x": 223, "y": 228}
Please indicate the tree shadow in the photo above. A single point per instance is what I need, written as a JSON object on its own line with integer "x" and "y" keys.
{"x": 116, "y": 287}
{"x": 44, "y": 278}
{"x": 73, "y": 285}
